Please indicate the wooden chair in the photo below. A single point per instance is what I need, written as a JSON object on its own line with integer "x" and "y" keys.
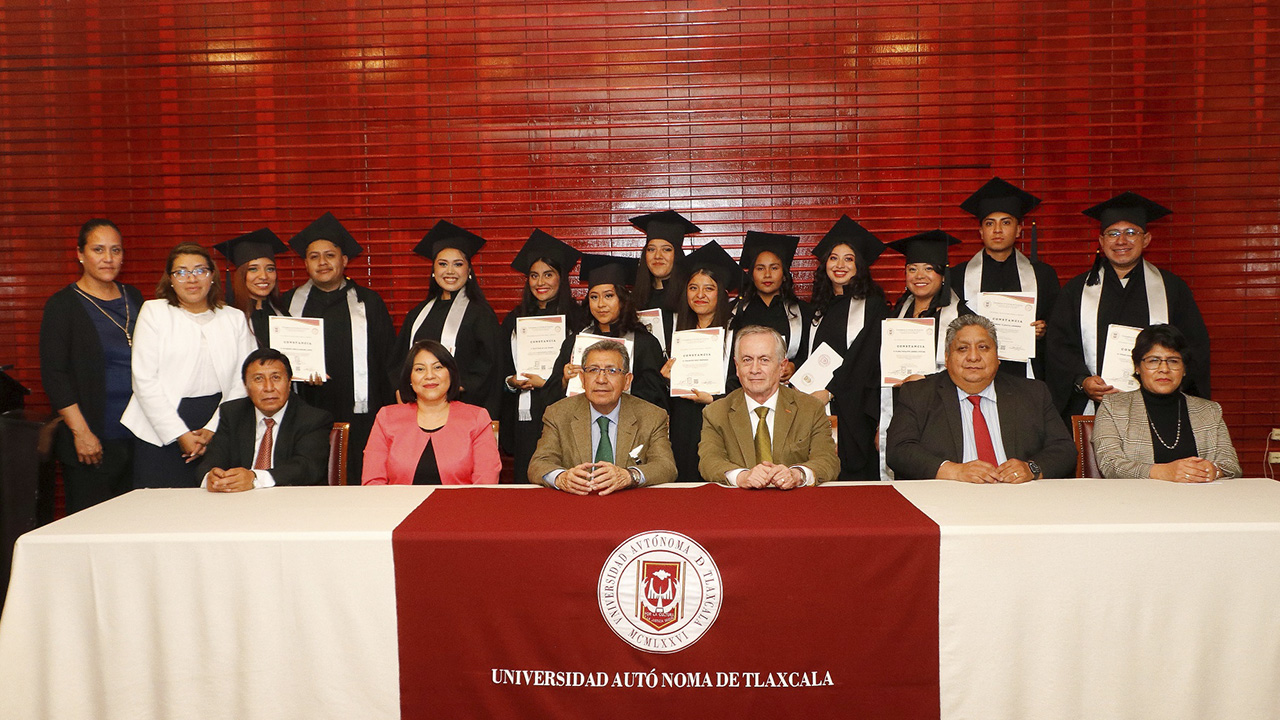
{"x": 338, "y": 438}
{"x": 1082, "y": 433}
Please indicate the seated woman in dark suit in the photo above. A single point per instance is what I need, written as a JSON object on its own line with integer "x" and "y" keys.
{"x": 1158, "y": 431}
{"x": 434, "y": 439}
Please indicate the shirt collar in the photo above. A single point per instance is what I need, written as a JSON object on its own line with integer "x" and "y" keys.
{"x": 988, "y": 392}
{"x": 771, "y": 403}
{"x": 277, "y": 417}
{"x": 612, "y": 415}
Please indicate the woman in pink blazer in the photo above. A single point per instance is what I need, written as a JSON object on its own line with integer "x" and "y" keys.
{"x": 434, "y": 440}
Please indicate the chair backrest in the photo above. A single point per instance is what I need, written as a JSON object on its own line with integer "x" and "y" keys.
{"x": 338, "y": 438}
{"x": 1082, "y": 432}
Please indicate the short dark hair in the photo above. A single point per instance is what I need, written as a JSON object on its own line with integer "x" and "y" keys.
{"x": 1163, "y": 335}
{"x": 265, "y": 355}
{"x": 87, "y": 229}
{"x": 446, "y": 359}
{"x": 164, "y": 288}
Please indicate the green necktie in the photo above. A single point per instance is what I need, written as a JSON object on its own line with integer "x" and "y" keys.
{"x": 604, "y": 450}
{"x": 763, "y": 453}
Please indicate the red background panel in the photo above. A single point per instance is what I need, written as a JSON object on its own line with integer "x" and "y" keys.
{"x": 201, "y": 120}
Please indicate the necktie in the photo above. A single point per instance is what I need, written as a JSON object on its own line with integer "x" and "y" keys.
{"x": 263, "y": 461}
{"x": 981, "y": 433}
{"x": 604, "y": 449}
{"x": 763, "y": 451}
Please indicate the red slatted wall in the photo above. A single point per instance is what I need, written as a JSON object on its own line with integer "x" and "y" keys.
{"x": 202, "y": 119}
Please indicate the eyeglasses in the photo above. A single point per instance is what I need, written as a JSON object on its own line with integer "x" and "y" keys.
{"x": 184, "y": 273}
{"x": 1153, "y": 363}
{"x": 593, "y": 370}
{"x": 1127, "y": 232}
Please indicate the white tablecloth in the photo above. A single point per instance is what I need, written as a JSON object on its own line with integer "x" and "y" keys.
{"x": 1058, "y": 599}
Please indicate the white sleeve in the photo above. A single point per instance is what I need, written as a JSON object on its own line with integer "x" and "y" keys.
{"x": 149, "y": 339}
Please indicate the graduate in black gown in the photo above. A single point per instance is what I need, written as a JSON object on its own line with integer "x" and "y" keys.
{"x": 769, "y": 298}
{"x": 456, "y": 314}
{"x": 1121, "y": 289}
{"x": 358, "y": 334}
{"x": 545, "y": 262}
{"x": 658, "y": 281}
{"x": 254, "y": 289}
{"x": 613, "y": 314}
{"x": 710, "y": 274}
{"x": 1000, "y": 207}
{"x": 847, "y": 309}
{"x": 930, "y": 292}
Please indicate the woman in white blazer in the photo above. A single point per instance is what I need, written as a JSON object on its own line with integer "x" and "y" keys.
{"x": 187, "y": 352}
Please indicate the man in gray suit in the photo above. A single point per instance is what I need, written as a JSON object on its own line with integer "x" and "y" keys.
{"x": 603, "y": 440}
{"x": 973, "y": 425}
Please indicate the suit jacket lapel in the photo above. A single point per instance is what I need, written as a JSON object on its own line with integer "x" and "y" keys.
{"x": 1008, "y": 406}
{"x": 786, "y": 415}
{"x": 950, "y": 401}
{"x": 582, "y": 450}
{"x": 743, "y": 428}
{"x": 247, "y": 434}
{"x": 284, "y": 440}
{"x": 628, "y": 431}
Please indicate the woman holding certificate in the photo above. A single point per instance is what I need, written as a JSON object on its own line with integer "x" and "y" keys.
{"x": 613, "y": 315}
{"x": 457, "y": 315}
{"x": 433, "y": 439}
{"x": 187, "y": 353}
{"x": 657, "y": 287}
{"x": 770, "y": 298}
{"x": 1159, "y": 431}
{"x": 848, "y": 307}
{"x": 254, "y": 290}
{"x": 928, "y": 294}
{"x": 711, "y": 273}
{"x": 546, "y": 262}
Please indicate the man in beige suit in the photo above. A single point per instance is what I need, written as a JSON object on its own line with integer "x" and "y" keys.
{"x": 603, "y": 440}
{"x": 765, "y": 435}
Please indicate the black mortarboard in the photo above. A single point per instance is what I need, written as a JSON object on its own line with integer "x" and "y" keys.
{"x": 926, "y": 247}
{"x": 848, "y": 231}
{"x": 1000, "y": 196}
{"x": 784, "y": 246}
{"x": 445, "y": 234}
{"x": 608, "y": 270}
{"x": 326, "y": 227}
{"x": 1128, "y": 206}
{"x": 713, "y": 258}
{"x": 668, "y": 225}
{"x": 261, "y": 243}
{"x": 544, "y": 245}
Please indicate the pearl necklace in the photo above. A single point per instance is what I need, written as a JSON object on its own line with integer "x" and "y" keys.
{"x": 1178, "y": 437}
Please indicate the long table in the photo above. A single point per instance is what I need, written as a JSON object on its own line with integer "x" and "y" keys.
{"x": 1056, "y": 599}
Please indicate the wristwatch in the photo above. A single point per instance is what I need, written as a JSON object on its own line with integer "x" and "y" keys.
{"x": 1035, "y": 469}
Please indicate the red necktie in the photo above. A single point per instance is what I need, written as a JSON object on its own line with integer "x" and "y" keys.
{"x": 981, "y": 433}
{"x": 263, "y": 461}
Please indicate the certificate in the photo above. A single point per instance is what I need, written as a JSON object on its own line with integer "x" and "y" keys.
{"x": 652, "y": 321}
{"x": 1117, "y": 361}
{"x": 538, "y": 341}
{"x": 699, "y": 361}
{"x": 302, "y": 341}
{"x": 817, "y": 370}
{"x": 1012, "y": 314}
{"x": 907, "y": 348}
{"x": 580, "y": 344}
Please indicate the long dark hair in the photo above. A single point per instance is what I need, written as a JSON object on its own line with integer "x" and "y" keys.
{"x": 243, "y": 300}
{"x": 644, "y": 279}
{"x": 787, "y": 291}
{"x": 627, "y": 318}
{"x": 561, "y": 304}
{"x": 859, "y": 288}
{"x": 686, "y": 319}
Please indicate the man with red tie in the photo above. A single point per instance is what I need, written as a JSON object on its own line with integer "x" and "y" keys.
{"x": 973, "y": 425}
{"x": 270, "y": 437}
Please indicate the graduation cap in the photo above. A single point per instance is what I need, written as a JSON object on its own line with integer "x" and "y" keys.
{"x": 849, "y": 232}
{"x": 926, "y": 247}
{"x": 1000, "y": 196}
{"x": 326, "y": 227}
{"x": 784, "y": 246}
{"x": 1127, "y": 206}
{"x": 667, "y": 225}
{"x": 720, "y": 264}
{"x": 445, "y": 234}
{"x": 261, "y": 243}
{"x": 608, "y": 270}
{"x": 544, "y": 245}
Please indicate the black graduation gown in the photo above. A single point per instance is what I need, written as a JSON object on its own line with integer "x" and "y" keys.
{"x": 478, "y": 352}
{"x": 855, "y": 386}
{"x": 774, "y": 315}
{"x": 686, "y": 429}
{"x": 939, "y": 328}
{"x": 1125, "y": 305}
{"x": 1000, "y": 276}
{"x": 260, "y": 324}
{"x": 519, "y": 438}
{"x": 647, "y": 382}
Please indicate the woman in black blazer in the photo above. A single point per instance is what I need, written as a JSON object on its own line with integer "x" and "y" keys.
{"x": 86, "y": 336}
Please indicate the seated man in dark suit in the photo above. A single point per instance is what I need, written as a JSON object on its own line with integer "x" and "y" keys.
{"x": 970, "y": 424}
{"x": 269, "y": 438}
{"x": 762, "y": 434}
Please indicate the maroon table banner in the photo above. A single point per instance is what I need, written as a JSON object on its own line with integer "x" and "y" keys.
{"x": 705, "y": 602}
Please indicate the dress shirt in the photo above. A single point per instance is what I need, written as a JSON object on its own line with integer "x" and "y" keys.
{"x": 261, "y": 478}
{"x": 613, "y": 416}
{"x": 772, "y": 405}
{"x": 989, "y": 412}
